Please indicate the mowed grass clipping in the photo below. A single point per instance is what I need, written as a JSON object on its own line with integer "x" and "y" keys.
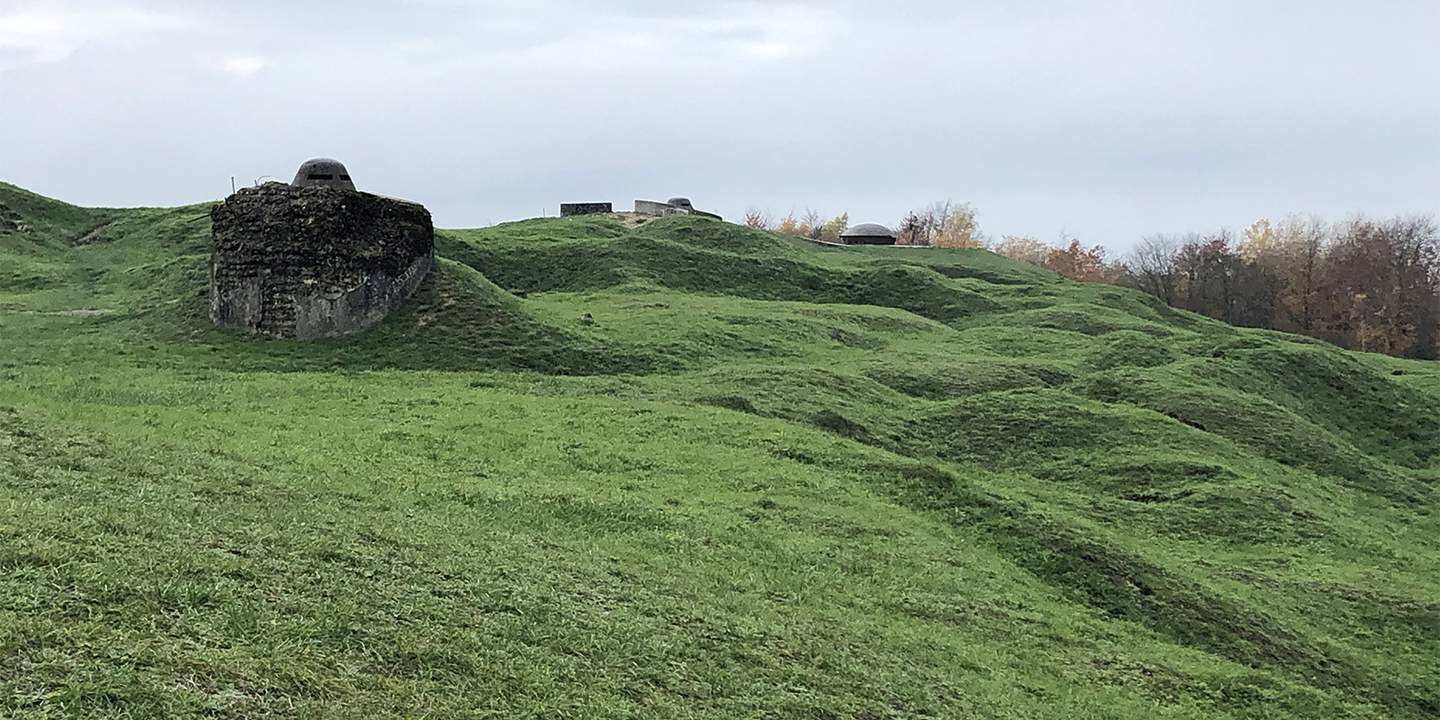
{"x": 689, "y": 470}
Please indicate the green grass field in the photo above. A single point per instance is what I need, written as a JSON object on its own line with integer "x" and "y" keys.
{"x": 690, "y": 470}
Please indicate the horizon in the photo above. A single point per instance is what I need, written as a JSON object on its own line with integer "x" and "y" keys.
{"x": 1108, "y": 122}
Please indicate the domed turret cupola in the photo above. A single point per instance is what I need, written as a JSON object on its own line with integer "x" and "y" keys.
{"x": 868, "y": 234}
{"x": 323, "y": 172}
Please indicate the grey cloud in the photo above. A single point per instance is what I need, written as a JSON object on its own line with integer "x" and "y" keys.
{"x": 1107, "y": 119}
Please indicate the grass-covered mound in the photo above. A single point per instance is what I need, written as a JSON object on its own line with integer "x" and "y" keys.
{"x": 687, "y": 469}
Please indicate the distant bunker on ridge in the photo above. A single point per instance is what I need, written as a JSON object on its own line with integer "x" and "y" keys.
{"x": 586, "y": 208}
{"x": 648, "y": 208}
{"x": 673, "y": 206}
{"x": 315, "y": 258}
{"x": 868, "y": 234}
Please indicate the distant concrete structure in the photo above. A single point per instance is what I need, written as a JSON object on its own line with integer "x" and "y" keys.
{"x": 647, "y": 208}
{"x": 673, "y": 206}
{"x": 323, "y": 172}
{"x": 655, "y": 208}
{"x": 315, "y": 259}
{"x": 9, "y": 219}
{"x": 868, "y": 234}
{"x": 595, "y": 208}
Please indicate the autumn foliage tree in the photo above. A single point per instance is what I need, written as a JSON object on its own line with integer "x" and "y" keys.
{"x": 944, "y": 225}
{"x": 1023, "y": 248}
{"x": 1070, "y": 258}
{"x": 1077, "y": 262}
{"x": 832, "y": 230}
{"x": 811, "y": 224}
{"x": 1385, "y": 277}
{"x": 791, "y": 225}
{"x": 912, "y": 231}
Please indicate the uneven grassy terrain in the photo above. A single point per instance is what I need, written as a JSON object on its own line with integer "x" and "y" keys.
{"x": 689, "y": 470}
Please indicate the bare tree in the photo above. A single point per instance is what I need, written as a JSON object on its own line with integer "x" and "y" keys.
{"x": 1153, "y": 265}
{"x": 1301, "y": 245}
{"x": 758, "y": 220}
{"x": 811, "y": 224}
{"x": 913, "y": 231}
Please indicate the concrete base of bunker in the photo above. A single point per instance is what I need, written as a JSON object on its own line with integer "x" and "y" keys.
{"x": 352, "y": 311}
{"x": 315, "y": 262}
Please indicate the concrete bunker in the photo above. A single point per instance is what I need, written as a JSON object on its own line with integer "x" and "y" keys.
{"x": 315, "y": 258}
{"x": 585, "y": 208}
{"x": 868, "y": 234}
{"x": 673, "y": 206}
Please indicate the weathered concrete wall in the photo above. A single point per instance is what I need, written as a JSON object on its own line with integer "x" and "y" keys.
{"x": 361, "y": 307}
{"x": 651, "y": 207}
{"x": 314, "y": 262}
{"x": 571, "y": 209}
{"x": 662, "y": 209}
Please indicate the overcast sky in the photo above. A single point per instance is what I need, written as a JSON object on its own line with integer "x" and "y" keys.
{"x": 1106, "y": 119}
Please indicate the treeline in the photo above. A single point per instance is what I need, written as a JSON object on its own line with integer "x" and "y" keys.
{"x": 946, "y": 224}
{"x": 1363, "y": 284}
{"x": 809, "y": 224}
{"x": 953, "y": 225}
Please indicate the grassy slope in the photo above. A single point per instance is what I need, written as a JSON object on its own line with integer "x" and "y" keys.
{"x": 695, "y": 471}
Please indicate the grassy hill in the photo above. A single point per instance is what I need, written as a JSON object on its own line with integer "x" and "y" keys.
{"x": 688, "y": 470}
